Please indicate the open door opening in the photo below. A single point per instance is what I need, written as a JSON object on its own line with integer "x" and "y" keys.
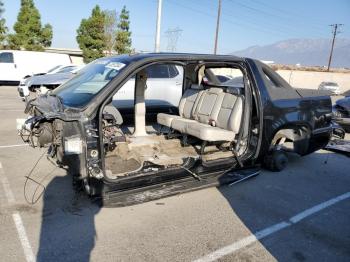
{"x": 212, "y": 102}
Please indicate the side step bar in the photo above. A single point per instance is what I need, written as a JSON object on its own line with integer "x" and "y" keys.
{"x": 149, "y": 193}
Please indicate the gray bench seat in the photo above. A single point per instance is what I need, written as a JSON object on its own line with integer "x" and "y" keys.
{"x": 210, "y": 115}
{"x": 186, "y": 107}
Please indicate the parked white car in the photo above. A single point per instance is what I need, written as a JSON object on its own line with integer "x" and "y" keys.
{"x": 164, "y": 88}
{"x": 59, "y": 69}
{"x": 332, "y": 87}
{"x": 16, "y": 65}
{"x": 41, "y": 83}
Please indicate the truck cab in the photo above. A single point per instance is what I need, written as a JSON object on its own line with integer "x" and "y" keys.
{"x": 221, "y": 131}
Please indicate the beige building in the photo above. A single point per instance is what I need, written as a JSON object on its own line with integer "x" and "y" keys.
{"x": 76, "y": 55}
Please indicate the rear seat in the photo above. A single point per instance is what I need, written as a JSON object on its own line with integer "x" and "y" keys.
{"x": 225, "y": 119}
{"x": 210, "y": 115}
{"x": 202, "y": 112}
{"x": 187, "y": 105}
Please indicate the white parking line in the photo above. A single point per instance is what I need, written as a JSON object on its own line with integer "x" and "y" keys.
{"x": 230, "y": 249}
{"x": 22, "y": 235}
{"x": 6, "y": 185}
{"x": 9, "y": 146}
{"x": 308, "y": 212}
{"x": 27, "y": 249}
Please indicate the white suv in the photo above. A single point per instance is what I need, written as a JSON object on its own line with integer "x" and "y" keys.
{"x": 164, "y": 88}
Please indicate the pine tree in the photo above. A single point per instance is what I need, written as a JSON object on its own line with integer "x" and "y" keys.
{"x": 123, "y": 37}
{"x": 29, "y": 34}
{"x": 90, "y": 35}
{"x": 3, "y": 28}
{"x": 46, "y": 35}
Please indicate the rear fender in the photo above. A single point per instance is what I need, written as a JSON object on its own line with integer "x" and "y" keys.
{"x": 298, "y": 134}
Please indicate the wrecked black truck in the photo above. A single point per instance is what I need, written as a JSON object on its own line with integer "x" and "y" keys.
{"x": 221, "y": 132}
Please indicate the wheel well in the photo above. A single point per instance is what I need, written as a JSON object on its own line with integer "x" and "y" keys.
{"x": 298, "y": 136}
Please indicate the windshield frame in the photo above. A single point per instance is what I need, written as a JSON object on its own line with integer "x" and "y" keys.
{"x": 68, "y": 87}
{"x": 135, "y": 63}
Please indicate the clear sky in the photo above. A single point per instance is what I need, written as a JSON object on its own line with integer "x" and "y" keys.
{"x": 243, "y": 23}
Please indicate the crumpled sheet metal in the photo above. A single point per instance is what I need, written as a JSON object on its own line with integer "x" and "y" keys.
{"x": 339, "y": 146}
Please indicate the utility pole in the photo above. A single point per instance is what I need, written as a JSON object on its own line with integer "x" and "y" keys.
{"x": 159, "y": 14}
{"x": 335, "y": 32}
{"x": 217, "y": 28}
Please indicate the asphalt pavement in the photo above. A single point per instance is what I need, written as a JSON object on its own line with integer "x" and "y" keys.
{"x": 300, "y": 214}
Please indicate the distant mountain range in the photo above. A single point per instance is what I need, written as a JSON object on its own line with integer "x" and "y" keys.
{"x": 307, "y": 52}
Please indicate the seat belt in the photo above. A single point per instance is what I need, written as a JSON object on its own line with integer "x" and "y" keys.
{"x": 201, "y": 74}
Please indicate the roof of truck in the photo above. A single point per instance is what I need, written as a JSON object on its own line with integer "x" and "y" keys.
{"x": 178, "y": 56}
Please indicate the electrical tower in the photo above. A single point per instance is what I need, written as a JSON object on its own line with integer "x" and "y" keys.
{"x": 334, "y": 32}
{"x": 173, "y": 36}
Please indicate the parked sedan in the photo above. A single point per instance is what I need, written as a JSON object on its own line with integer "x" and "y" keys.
{"x": 341, "y": 113}
{"x": 332, "y": 87}
{"x": 58, "y": 69}
{"x": 156, "y": 99}
{"x": 43, "y": 82}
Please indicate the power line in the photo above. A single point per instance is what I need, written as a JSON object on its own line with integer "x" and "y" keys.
{"x": 259, "y": 26}
{"x": 292, "y": 14}
{"x": 237, "y": 24}
{"x": 280, "y": 28}
{"x": 335, "y": 32}
{"x": 276, "y": 15}
{"x": 251, "y": 23}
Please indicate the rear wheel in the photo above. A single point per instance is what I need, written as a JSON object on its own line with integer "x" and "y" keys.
{"x": 276, "y": 161}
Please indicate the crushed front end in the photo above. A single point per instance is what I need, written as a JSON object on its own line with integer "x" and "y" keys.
{"x": 68, "y": 136}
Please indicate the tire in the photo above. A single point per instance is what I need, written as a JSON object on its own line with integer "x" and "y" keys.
{"x": 347, "y": 129}
{"x": 276, "y": 161}
{"x": 77, "y": 183}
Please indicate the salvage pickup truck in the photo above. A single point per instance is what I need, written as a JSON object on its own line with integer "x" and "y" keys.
{"x": 220, "y": 133}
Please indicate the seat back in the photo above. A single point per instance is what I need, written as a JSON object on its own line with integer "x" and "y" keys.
{"x": 188, "y": 101}
{"x": 213, "y": 106}
{"x": 231, "y": 110}
{"x": 208, "y": 104}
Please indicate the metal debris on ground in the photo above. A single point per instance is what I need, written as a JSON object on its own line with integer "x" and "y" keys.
{"x": 339, "y": 146}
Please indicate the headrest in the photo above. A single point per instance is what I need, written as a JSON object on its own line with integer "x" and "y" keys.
{"x": 215, "y": 90}
{"x": 195, "y": 86}
{"x": 234, "y": 90}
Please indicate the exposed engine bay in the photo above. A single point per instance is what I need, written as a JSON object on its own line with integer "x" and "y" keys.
{"x": 42, "y": 128}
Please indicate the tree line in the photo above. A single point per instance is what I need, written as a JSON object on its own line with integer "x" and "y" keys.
{"x": 103, "y": 33}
